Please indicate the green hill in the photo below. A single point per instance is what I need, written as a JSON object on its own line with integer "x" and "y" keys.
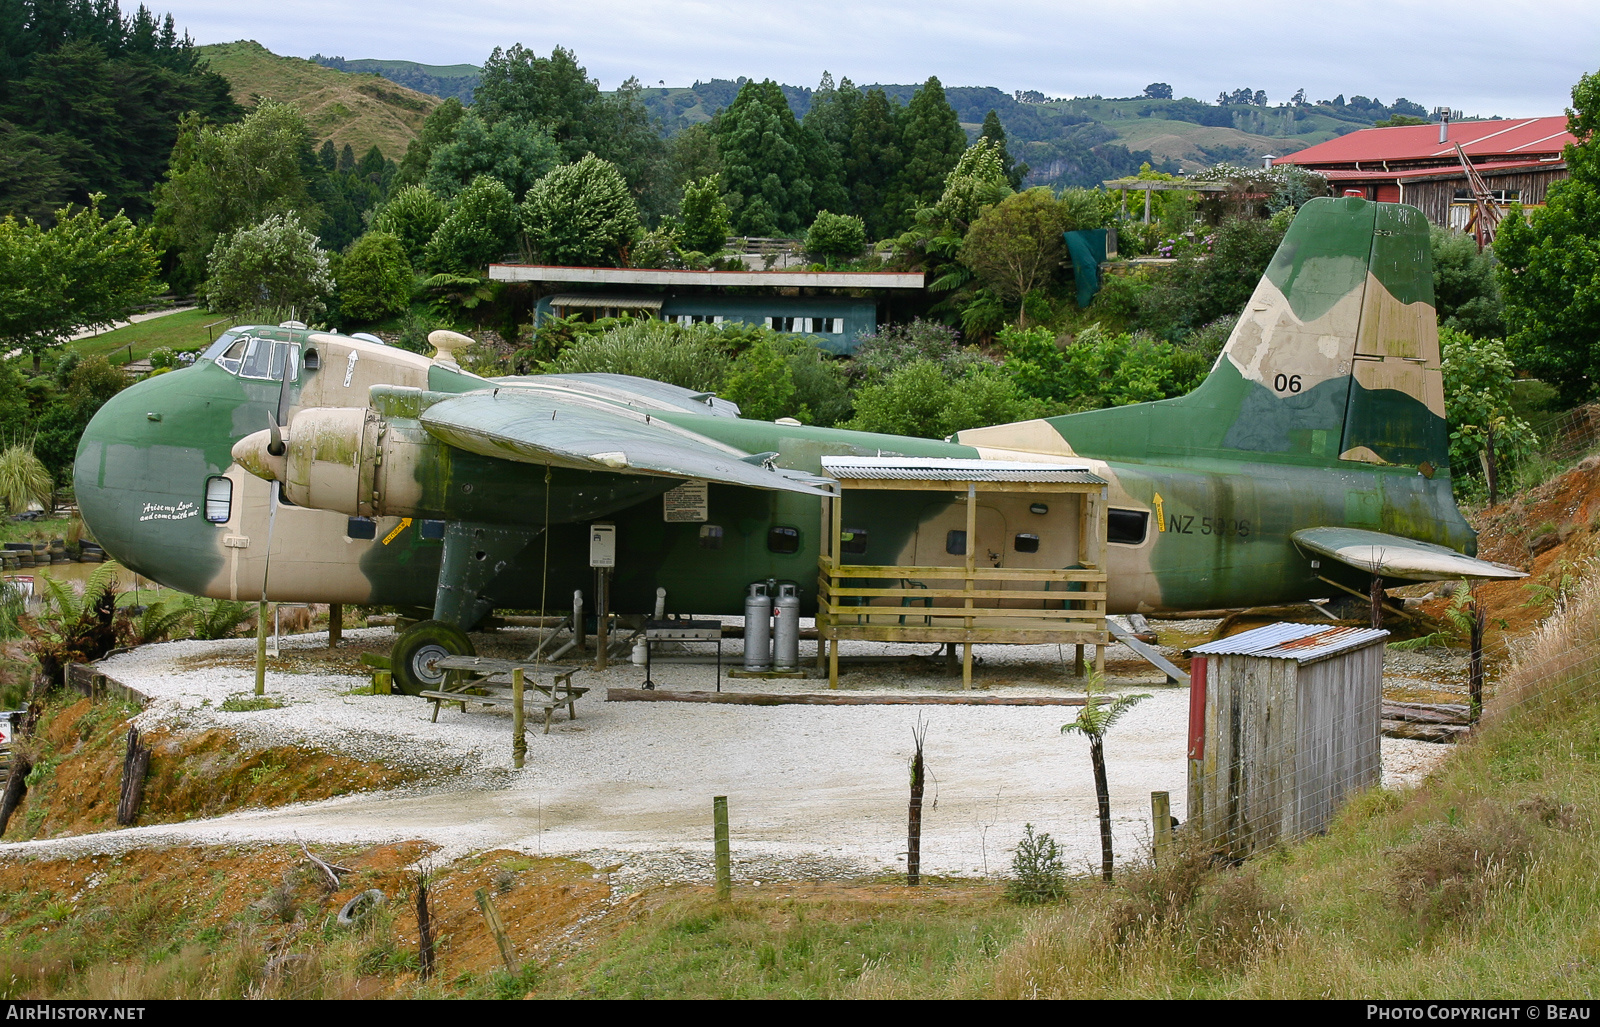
{"x": 363, "y": 110}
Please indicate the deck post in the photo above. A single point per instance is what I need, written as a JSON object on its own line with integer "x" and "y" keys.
{"x": 972, "y": 558}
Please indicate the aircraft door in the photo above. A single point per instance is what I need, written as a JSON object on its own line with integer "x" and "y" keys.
{"x": 941, "y": 540}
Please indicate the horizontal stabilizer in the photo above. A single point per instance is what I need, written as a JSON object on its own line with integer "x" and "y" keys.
{"x": 529, "y": 428}
{"x": 1396, "y": 557}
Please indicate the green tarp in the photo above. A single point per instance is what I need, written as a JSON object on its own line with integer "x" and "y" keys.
{"x": 1088, "y": 251}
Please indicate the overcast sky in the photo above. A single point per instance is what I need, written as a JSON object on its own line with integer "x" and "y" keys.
{"x": 1513, "y": 59}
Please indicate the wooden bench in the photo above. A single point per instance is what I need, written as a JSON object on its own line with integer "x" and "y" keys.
{"x": 487, "y": 682}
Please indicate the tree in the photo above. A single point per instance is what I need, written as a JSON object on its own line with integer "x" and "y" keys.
{"x": 274, "y": 266}
{"x": 931, "y": 141}
{"x": 1485, "y": 432}
{"x": 438, "y": 128}
{"x": 374, "y": 278}
{"x": 829, "y": 123}
{"x": 763, "y": 165}
{"x": 481, "y": 227}
{"x": 514, "y": 151}
{"x": 704, "y": 216}
{"x": 870, "y": 162}
{"x": 581, "y": 215}
{"x": 225, "y": 178}
{"x": 836, "y": 236}
{"x": 1094, "y": 720}
{"x": 413, "y": 214}
{"x": 86, "y": 271}
{"x": 1550, "y": 265}
{"x": 996, "y": 134}
{"x": 1158, "y": 91}
{"x": 1202, "y": 287}
{"x": 1465, "y": 294}
{"x": 1016, "y": 246}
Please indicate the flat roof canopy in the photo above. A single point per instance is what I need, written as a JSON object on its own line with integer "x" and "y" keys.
{"x": 648, "y": 276}
{"x": 1160, "y": 185}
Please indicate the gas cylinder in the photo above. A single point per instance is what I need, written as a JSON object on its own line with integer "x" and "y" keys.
{"x": 758, "y": 628}
{"x": 786, "y": 634}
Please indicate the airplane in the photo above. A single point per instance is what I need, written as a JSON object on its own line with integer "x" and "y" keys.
{"x": 1314, "y": 453}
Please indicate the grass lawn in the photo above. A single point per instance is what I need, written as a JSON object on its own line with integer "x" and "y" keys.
{"x": 185, "y": 331}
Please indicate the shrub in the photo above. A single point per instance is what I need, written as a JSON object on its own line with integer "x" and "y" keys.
{"x": 836, "y": 236}
{"x": 704, "y": 216}
{"x": 920, "y": 399}
{"x": 1099, "y": 370}
{"x": 1037, "y": 872}
{"x": 689, "y": 357}
{"x": 581, "y": 214}
{"x": 374, "y": 278}
{"x": 274, "y": 266}
{"x": 413, "y": 214}
{"x": 479, "y": 230}
{"x": 163, "y": 357}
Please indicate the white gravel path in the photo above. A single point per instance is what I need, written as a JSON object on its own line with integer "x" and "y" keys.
{"x": 812, "y": 791}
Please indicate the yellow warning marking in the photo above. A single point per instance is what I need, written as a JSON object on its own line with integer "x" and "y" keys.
{"x": 1161, "y": 518}
{"x": 405, "y": 522}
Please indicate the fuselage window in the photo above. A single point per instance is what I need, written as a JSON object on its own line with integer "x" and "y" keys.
{"x": 955, "y": 542}
{"x": 1025, "y": 543}
{"x": 783, "y": 540}
{"x": 219, "y": 499}
{"x": 853, "y": 541}
{"x": 710, "y": 536}
{"x": 1127, "y": 527}
{"x": 361, "y": 527}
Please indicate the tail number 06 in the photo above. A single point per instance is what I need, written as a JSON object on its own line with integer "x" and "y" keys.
{"x": 1286, "y": 383}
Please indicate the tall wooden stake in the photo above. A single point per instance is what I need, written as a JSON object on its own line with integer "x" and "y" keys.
{"x": 424, "y": 928}
{"x": 1475, "y": 661}
{"x": 519, "y": 738}
{"x": 914, "y": 817}
{"x": 1161, "y": 826}
{"x": 719, "y": 826}
{"x": 508, "y": 954}
{"x": 261, "y": 647}
{"x": 1377, "y": 600}
{"x": 335, "y": 625}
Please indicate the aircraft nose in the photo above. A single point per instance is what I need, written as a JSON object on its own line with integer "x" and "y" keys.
{"x": 254, "y": 454}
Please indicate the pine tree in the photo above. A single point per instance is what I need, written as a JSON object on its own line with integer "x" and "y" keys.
{"x": 931, "y": 141}
{"x": 870, "y": 162}
{"x": 764, "y": 162}
{"x": 830, "y": 122}
{"x": 996, "y": 134}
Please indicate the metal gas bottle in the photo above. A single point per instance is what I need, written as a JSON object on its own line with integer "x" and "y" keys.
{"x": 786, "y": 634}
{"x": 758, "y": 628}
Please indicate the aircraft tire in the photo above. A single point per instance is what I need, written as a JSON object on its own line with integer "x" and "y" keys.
{"x": 418, "y": 646}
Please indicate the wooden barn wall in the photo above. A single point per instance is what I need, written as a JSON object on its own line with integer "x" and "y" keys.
{"x": 1285, "y": 744}
{"x": 1434, "y": 198}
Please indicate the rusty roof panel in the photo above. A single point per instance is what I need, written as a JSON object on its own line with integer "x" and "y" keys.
{"x": 1480, "y": 139}
{"x": 1303, "y": 643}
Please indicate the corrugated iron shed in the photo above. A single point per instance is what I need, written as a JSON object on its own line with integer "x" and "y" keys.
{"x": 938, "y": 469}
{"x": 1302, "y": 643}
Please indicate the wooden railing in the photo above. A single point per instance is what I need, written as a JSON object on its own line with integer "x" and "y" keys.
{"x": 960, "y": 604}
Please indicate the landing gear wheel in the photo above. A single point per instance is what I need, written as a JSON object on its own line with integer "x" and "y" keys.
{"x": 415, "y": 654}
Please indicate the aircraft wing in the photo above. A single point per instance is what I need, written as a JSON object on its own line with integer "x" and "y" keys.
{"x": 1397, "y": 557}
{"x": 539, "y": 429}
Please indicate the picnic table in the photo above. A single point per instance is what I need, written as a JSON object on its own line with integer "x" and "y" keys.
{"x": 488, "y": 682}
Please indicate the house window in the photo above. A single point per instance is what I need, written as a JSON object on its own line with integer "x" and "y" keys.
{"x": 219, "y": 499}
{"x": 1127, "y": 527}
{"x": 783, "y": 540}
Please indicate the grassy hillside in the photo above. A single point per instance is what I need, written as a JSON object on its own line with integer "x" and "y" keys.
{"x": 362, "y": 110}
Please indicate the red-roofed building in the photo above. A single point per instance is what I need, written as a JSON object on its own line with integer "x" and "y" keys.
{"x": 1417, "y": 164}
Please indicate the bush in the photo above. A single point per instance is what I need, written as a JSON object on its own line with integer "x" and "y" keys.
{"x": 1202, "y": 287}
{"x": 690, "y": 357}
{"x": 275, "y": 266}
{"x": 1096, "y": 370}
{"x": 1037, "y": 872}
{"x": 836, "y": 236}
{"x": 895, "y": 346}
{"x": 163, "y": 358}
{"x": 374, "y": 278}
{"x": 479, "y": 230}
{"x": 704, "y": 216}
{"x": 920, "y": 399}
{"x": 413, "y": 214}
{"x": 581, "y": 214}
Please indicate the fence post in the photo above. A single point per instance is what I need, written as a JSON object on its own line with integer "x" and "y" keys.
{"x": 1161, "y": 826}
{"x": 492, "y": 915}
{"x": 519, "y": 739}
{"x": 719, "y": 818}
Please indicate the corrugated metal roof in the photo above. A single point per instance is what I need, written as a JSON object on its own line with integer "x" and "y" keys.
{"x": 1443, "y": 171}
{"x": 1303, "y": 643}
{"x": 589, "y": 300}
{"x": 1516, "y": 137}
{"x": 908, "y": 468}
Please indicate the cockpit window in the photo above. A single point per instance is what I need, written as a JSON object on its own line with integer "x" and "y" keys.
{"x": 229, "y": 358}
{"x": 265, "y": 359}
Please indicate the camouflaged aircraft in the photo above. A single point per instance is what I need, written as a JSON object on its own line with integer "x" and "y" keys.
{"x": 1314, "y": 452}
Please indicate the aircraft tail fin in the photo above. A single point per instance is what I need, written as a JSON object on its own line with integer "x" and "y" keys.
{"x": 1335, "y": 360}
